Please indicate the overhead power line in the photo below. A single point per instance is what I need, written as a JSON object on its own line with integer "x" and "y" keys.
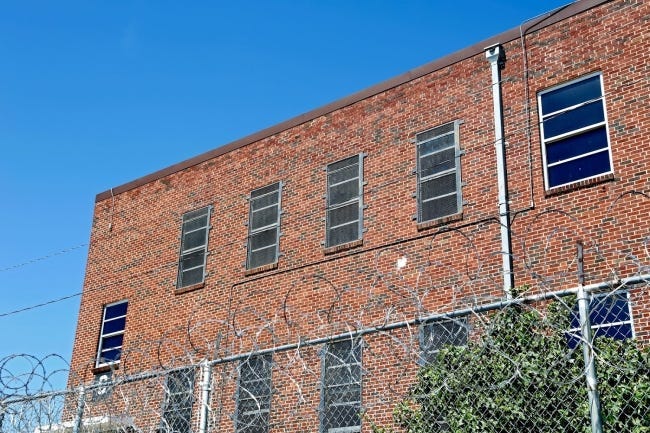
{"x": 31, "y": 307}
{"x": 40, "y": 259}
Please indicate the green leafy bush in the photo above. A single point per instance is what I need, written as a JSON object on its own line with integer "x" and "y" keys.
{"x": 522, "y": 377}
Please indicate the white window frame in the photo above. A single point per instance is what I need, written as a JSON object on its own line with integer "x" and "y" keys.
{"x": 103, "y": 336}
{"x": 187, "y": 217}
{"x": 253, "y": 231}
{"x": 358, "y": 199}
{"x": 427, "y": 136}
{"x": 263, "y": 402}
{"x": 356, "y": 345}
{"x": 543, "y": 117}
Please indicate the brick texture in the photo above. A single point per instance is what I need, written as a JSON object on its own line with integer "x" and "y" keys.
{"x": 135, "y": 236}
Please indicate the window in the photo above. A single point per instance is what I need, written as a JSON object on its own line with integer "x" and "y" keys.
{"x": 438, "y": 172}
{"x": 344, "y": 220}
{"x": 194, "y": 244}
{"x": 610, "y": 316}
{"x": 264, "y": 226}
{"x": 179, "y": 397}
{"x": 254, "y": 395}
{"x": 575, "y": 141}
{"x": 341, "y": 394}
{"x": 112, "y": 334}
{"x": 435, "y": 335}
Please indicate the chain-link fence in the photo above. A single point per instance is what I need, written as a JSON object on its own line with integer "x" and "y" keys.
{"x": 529, "y": 363}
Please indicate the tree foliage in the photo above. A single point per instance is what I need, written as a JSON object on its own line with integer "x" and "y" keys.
{"x": 521, "y": 376}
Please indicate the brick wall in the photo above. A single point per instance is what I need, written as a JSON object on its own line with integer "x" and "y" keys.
{"x": 136, "y": 235}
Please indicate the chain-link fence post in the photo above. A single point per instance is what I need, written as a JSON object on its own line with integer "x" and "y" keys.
{"x": 206, "y": 380}
{"x": 81, "y": 401}
{"x": 587, "y": 348}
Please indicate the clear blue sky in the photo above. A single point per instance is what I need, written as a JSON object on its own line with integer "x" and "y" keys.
{"x": 94, "y": 94}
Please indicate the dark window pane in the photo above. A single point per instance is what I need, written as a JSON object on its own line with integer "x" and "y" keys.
{"x": 110, "y": 355}
{"x": 437, "y": 162}
{"x": 436, "y": 145}
{"x": 342, "y": 388}
{"x": 347, "y": 173}
{"x": 343, "y": 416}
{"x": 343, "y": 234}
{"x": 617, "y": 332}
{"x": 439, "y": 208}
{"x": 609, "y": 309}
{"x": 604, "y": 312}
{"x": 192, "y": 260}
{"x": 572, "y": 120}
{"x": 344, "y": 192}
{"x": 265, "y": 200}
{"x": 196, "y": 213}
{"x": 114, "y": 325}
{"x": 195, "y": 224}
{"x": 112, "y": 342}
{"x": 262, "y": 257}
{"x": 254, "y": 395}
{"x": 577, "y": 145}
{"x": 193, "y": 276}
{"x": 440, "y": 130}
{"x": 257, "y": 387}
{"x": 194, "y": 239}
{"x": 438, "y": 186}
{"x": 578, "y": 169}
{"x": 179, "y": 397}
{"x": 346, "y": 374}
{"x": 434, "y": 336}
{"x": 116, "y": 310}
{"x": 343, "y": 214}
{"x": 572, "y": 94}
{"x": 264, "y": 217}
{"x": 344, "y": 163}
{"x": 343, "y": 352}
{"x": 265, "y": 190}
{"x": 263, "y": 239}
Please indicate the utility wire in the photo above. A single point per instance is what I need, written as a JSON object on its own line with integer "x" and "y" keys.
{"x": 40, "y": 259}
{"x": 53, "y": 301}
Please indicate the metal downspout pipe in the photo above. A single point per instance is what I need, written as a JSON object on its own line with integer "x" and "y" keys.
{"x": 497, "y": 58}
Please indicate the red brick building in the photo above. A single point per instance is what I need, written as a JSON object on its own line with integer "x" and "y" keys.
{"x": 370, "y": 215}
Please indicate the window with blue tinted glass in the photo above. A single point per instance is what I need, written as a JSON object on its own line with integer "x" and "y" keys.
{"x": 610, "y": 316}
{"x": 112, "y": 334}
{"x": 575, "y": 140}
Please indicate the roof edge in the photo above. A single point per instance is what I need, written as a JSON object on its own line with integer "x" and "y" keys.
{"x": 533, "y": 24}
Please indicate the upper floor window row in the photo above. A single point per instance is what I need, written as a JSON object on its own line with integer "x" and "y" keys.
{"x": 573, "y": 125}
{"x": 438, "y": 172}
{"x": 194, "y": 246}
{"x": 264, "y": 226}
{"x": 575, "y": 147}
{"x": 344, "y": 214}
